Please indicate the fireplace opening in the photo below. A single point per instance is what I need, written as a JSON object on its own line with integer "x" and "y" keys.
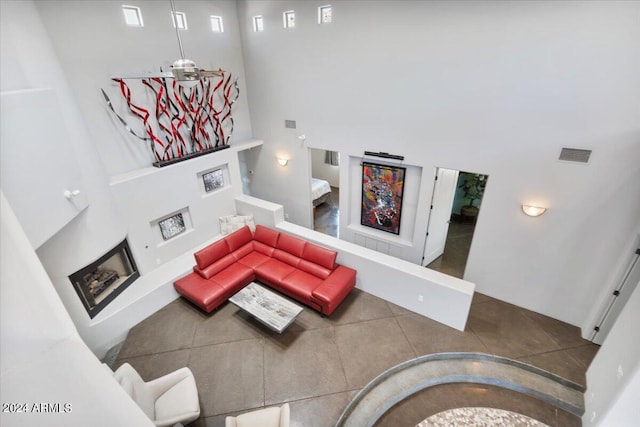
{"x": 102, "y": 281}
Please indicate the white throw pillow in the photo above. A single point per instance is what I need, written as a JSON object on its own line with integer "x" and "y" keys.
{"x": 247, "y": 220}
{"x": 231, "y": 223}
{"x": 224, "y": 225}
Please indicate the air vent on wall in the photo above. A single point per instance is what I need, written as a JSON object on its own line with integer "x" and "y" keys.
{"x": 576, "y": 155}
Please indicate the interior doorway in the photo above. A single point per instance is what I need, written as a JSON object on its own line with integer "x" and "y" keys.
{"x": 325, "y": 191}
{"x": 455, "y": 207}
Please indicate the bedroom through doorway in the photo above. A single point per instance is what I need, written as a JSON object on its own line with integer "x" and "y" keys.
{"x": 325, "y": 191}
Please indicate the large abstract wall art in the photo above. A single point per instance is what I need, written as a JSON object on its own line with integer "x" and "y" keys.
{"x": 382, "y": 188}
{"x": 181, "y": 122}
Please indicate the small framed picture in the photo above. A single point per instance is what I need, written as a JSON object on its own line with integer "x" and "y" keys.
{"x": 172, "y": 226}
{"x": 213, "y": 180}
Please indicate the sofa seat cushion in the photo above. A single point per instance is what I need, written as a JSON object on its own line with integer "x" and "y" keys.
{"x": 300, "y": 285}
{"x": 273, "y": 271}
{"x": 234, "y": 277}
{"x": 254, "y": 259}
{"x": 204, "y": 293}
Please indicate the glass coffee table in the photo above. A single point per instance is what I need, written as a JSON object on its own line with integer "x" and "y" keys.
{"x": 266, "y": 306}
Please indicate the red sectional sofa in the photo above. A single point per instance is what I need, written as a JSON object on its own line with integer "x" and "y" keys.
{"x": 302, "y": 270}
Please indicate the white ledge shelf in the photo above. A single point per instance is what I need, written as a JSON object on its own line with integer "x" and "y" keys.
{"x": 150, "y": 170}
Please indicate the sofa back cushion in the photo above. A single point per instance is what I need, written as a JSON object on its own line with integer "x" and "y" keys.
{"x": 216, "y": 267}
{"x": 286, "y": 257}
{"x": 318, "y": 255}
{"x": 266, "y": 235}
{"x": 289, "y": 249}
{"x": 317, "y": 260}
{"x": 262, "y": 248}
{"x": 211, "y": 254}
{"x": 239, "y": 238}
{"x": 243, "y": 251}
{"x": 313, "y": 268}
{"x": 293, "y": 245}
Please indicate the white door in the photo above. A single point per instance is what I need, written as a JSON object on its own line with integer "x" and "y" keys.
{"x": 444, "y": 191}
{"x": 617, "y": 301}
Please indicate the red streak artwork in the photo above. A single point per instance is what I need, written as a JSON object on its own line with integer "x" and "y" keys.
{"x": 182, "y": 123}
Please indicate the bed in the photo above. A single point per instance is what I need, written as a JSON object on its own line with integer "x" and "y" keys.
{"x": 320, "y": 191}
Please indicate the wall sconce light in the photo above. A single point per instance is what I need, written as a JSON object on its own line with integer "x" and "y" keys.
{"x": 282, "y": 161}
{"x": 533, "y": 210}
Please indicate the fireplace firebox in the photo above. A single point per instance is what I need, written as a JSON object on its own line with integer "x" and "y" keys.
{"x": 102, "y": 281}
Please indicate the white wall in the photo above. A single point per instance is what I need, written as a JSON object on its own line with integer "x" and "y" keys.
{"x": 143, "y": 197}
{"x": 93, "y": 43}
{"x": 322, "y": 170}
{"x": 613, "y": 378}
{"x": 173, "y": 189}
{"x": 42, "y": 358}
{"x": 624, "y": 410}
{"x": 29, "y": 62}
{"x": 57, "y": 45}
{"x": 492, "y": 87}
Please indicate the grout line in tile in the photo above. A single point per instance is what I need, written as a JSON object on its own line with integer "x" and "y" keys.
{"x": 335, "y": 343}
{"x": 489, "y": 351}
{"x": 415, "y": 352}
{"x": 153, "y": 353}
{"x": 264, "y": 374}
{"x": 554, "y": 351}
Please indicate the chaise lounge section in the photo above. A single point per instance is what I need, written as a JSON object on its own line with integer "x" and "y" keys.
{"x": 299, "y": 269}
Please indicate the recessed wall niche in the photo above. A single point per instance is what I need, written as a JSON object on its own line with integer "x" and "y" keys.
{"x": 103, "y": 280}
{"x": 212, "y": 180}
{"x": 172, "y": 226}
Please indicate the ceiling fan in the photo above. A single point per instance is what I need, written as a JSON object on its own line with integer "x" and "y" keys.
{"x": 184, "y": 71}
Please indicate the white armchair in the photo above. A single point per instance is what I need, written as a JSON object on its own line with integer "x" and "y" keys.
{"x": 167, "y": 400}
{"x": 267, "y": 417}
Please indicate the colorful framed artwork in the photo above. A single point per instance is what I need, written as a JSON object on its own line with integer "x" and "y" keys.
{"x": 382, "y": 188}
{"x": 213, "y": 180}
{"x": 172, "y": 226}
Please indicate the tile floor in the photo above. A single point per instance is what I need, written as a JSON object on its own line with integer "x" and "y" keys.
{"x": 320, "y": 363}
{"x": 456, "y": 250}
{"x": 326, "y": 218}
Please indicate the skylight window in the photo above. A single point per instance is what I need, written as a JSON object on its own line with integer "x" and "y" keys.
{"x": 258, "y": 24}
{"x": 289, "y": 18}
{"x": 132, "y": 16}
{"x": 179, "y": 20}
{"x": 216, "y": 24}
{"x": 324, "y": 14}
